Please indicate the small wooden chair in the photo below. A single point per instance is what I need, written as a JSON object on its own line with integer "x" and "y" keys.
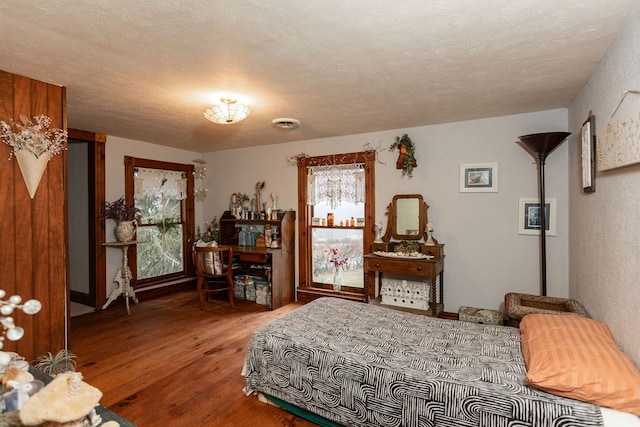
{"x": 215, "y": 272}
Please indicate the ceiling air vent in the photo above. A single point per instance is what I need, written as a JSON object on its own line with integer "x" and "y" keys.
{"x": 285, "y": 123}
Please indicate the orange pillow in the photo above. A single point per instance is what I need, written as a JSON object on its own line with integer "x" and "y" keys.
{"x": 576, "y": 357}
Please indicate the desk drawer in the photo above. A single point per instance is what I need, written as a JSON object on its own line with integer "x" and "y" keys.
{"x": 419, "y": 268}
{"x": 260, "y": 258}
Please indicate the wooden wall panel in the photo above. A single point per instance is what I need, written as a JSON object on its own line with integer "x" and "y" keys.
{"x": 33, "y": 249}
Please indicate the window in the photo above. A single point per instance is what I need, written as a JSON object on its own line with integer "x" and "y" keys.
{"x": 159, "y": 194}
{"x": 336, "y": 249}
{"x": 163, "y": 191}
{"x": 340, "y": 186}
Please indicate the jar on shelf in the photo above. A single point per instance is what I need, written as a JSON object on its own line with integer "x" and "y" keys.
{"x": 329, "y": 219}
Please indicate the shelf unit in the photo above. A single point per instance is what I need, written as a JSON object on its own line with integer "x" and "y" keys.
{"x": 280, "y": 261}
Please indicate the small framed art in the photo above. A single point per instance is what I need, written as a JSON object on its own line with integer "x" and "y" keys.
{"x": 529, "y": 218}
{"x": 479, "y": 178}
{"x": 588, "y": 138}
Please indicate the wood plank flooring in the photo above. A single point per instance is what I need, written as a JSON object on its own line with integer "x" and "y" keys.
{"x": 169, "y": 363}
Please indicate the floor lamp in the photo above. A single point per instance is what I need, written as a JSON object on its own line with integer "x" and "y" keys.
{"x": 540, "y": 145}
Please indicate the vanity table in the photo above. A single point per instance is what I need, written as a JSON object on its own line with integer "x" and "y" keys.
{"x": 432, "y": 269}
{"x": 408, "y": 248}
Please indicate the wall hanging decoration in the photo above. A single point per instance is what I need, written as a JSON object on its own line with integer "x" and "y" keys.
{"x": 33, "y": 145}
{"x": 621, "y": 145}
{"x": 540, "y": 145}
{"x": 588, "y": 140}
{"x": 200, "y": 173}
{"x": 406, "y": 156}
{"x": 479, "y": 178}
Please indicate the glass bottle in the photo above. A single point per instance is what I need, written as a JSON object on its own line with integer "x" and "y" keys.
{"x": 329, "y": 219}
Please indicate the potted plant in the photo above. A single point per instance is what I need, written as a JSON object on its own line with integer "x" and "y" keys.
{"x": 125, "y": 216}
{"x": 211, "y": 233}
{"x": 406, "y": 158}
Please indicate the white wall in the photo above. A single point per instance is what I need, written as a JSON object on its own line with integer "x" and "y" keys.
{"x": 605, "y": 230}
{"x": 115, "y": 150}
{"x": 485, "y": 257}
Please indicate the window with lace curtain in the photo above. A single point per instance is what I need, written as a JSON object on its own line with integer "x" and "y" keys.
{"x": 340, "y": 186}
{"x": 337, "y": 190}
{"x": 164, "y": 193}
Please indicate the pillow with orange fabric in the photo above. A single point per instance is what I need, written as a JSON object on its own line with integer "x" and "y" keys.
{"x": 577, "y": 357}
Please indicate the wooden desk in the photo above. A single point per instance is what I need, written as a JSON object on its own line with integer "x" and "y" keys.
{"x": 431, "y": 268}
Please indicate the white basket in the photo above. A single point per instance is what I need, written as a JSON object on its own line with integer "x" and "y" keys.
{"x": 401, "y": 292}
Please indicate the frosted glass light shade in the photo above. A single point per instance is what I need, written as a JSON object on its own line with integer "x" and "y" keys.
{"x": 226, "y": 112}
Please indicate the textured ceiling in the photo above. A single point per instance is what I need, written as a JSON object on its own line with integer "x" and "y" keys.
{"x": 147, "y": 70}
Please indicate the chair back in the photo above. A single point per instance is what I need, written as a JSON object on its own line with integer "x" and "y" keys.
{"x": 213, "y": 260}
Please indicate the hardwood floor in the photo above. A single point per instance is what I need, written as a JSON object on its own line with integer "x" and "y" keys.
{"x": 170, "y": 363}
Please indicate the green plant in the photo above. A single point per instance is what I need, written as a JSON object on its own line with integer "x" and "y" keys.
{"x": 211, "y": 233}
{"x": 165, "y": 225}
{"x": 407, "y": 158}
{"x": 52, "y": 364}
{"x": 120, "y": 211}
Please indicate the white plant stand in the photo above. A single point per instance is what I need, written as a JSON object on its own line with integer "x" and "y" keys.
{"x": 123, "y": 276}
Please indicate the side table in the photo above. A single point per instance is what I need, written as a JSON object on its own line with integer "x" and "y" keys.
{"x": 123, "y": 276}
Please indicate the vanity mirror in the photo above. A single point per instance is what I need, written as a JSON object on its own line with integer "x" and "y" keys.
{"x": 407, "y": 218}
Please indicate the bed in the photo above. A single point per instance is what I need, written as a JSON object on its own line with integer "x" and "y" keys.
{"x": 359, "y": 364}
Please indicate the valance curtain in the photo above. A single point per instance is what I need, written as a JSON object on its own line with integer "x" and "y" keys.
{"x": 335, "y": 184}
{"x": 172, "y": 184}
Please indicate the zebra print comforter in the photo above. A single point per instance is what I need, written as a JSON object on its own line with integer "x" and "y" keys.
{"x": 363, "y": 365}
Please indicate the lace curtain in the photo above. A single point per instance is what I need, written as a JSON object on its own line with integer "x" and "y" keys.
{"x": 335, "y": 184}
{"x": 169, "y": 183}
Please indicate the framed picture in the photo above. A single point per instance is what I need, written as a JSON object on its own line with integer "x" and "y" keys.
{"x": 588, "y": 138}
{"x": 619, "y": 144}
{"x": 479, "y": 178}
{"x": 529, "y": 218}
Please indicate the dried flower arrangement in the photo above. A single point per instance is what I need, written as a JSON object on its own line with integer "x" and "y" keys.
{"x": 335, "y": 260}
{"x": 120, "y": 211}
{"x": 34, "y": 137}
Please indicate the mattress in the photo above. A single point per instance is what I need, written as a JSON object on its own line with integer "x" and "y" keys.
{"x": 363, "y": 365}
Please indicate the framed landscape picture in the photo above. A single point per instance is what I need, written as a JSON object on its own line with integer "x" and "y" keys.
{"x": 479, "y": 178}
{"x": 529, "y": 218}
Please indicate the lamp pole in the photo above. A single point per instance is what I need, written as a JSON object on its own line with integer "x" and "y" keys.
{"x": 540, "y": 145}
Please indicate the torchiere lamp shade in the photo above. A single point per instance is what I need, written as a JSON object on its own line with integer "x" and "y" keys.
{"x": 542, "y": 144}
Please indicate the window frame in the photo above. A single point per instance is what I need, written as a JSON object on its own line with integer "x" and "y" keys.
{"x": 305, "y": 273}
{"x": 188, "y": 217}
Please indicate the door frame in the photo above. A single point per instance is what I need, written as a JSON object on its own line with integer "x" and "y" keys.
{"x": 97, "y": 254}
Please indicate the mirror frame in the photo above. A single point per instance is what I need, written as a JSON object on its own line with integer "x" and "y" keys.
{"x": 392, "y": 212}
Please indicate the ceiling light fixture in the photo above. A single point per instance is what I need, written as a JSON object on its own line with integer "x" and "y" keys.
{"x": 226, "y": 112}
{"x": 285, "y": 123}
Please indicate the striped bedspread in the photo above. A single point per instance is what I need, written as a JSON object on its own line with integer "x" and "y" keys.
{"x": 363, "y": 365}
